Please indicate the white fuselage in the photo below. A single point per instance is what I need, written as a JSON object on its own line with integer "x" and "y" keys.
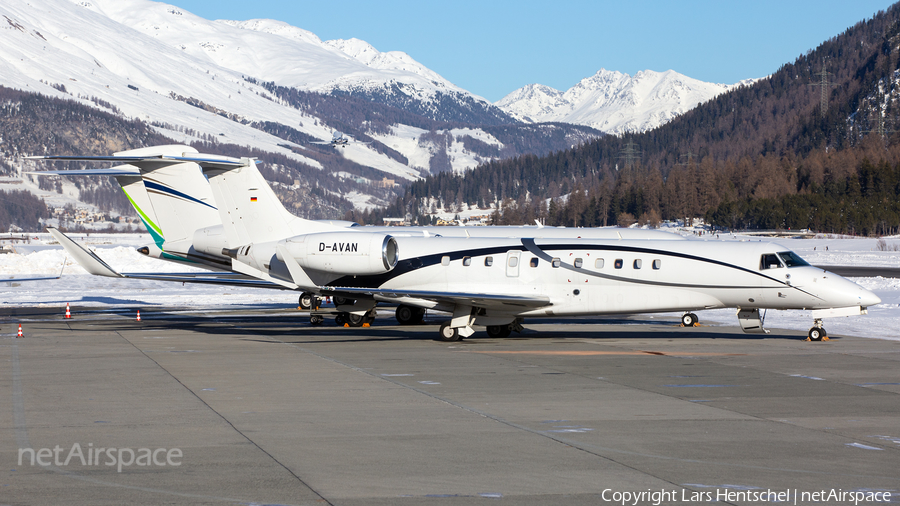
{"x": 589, "y": 276}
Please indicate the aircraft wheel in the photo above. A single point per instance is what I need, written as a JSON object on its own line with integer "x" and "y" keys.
{"x": 356, "y": 320}
{"x": 816, "y": 334}
{"x": 340, "y": 319}
{"x": 306, "y": 300}
{"x": 498, "y": 331}
{"x": 342, "y": 301}
{"x": 447, "y": 333}
{"x": 316, "y": 320}
{"x": 420, "y": 315}
{"x": 407, "y": 315}
{"x": 688, "y": 319}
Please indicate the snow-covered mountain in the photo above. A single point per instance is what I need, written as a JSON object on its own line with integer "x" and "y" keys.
{"x": 189, "y": 76}
{"x": 234, "y": 82}
{"x": 614, "y": 102}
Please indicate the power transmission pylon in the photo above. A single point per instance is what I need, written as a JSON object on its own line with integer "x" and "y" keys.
{"x": 630, "y": 153}
{"x": 825, "y": 86}
{"x": 879, "y": 128}
{"x": 688, "y": 159}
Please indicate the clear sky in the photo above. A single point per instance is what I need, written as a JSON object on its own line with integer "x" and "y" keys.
{"x": 493, "y": 47}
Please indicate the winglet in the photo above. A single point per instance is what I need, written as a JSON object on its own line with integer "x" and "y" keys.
{"x": 86, "y": 258}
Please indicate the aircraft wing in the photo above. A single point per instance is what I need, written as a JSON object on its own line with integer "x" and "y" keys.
{"x": 485, "y": 300}
{"x": 96, "y": 266}
{"x": 16, "y": 280}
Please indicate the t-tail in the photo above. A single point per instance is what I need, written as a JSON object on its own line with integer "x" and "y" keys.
{"x": 165, "y": 186}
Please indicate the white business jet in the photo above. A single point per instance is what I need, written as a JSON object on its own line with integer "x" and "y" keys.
{"x": 496, "y": 282}
{"x": 174, "y": 200}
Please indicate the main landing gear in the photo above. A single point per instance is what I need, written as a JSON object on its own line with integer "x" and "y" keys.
{"x": 689, "y": 320}
{"x": 450, "y": 334}
{"x": 307, "y": 300}
{"x": 447, "y": 333}
{"x": 355, "y": 320}
{"x": 817, "y": 332}
{"x": 409, "y": 315}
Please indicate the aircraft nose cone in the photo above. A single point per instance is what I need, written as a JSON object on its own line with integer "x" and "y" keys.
{"x": 868, "y": 298}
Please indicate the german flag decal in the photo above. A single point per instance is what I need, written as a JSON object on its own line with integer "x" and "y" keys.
{"x": 252, "y": 199}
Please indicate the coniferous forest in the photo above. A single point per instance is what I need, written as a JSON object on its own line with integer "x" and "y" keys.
{"x": 769, "y": 155}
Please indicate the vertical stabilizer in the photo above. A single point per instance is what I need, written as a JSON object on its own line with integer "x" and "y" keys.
{"x": 179, "y": 195}
{"x": 133, "y": 187}
{"x": 249, "y": 209}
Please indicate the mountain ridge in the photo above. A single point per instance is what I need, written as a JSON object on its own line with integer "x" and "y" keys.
{"x": 615, "y": 102}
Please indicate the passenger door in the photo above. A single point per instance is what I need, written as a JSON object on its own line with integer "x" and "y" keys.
{"x": 512, "y": 263}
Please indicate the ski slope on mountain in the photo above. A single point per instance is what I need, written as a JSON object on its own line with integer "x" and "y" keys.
{"x": 148, "y": 59}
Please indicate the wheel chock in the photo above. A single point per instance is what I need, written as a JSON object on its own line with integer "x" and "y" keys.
{"x": 366, "y": 325}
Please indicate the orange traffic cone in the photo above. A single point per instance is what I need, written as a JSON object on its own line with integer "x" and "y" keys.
{"x": 68, "y": 313}
{"x": 139, "y": 315}
{"x": 20, "y": 332}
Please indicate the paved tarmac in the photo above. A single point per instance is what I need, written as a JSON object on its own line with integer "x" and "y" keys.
{"x": 261, "y": 408}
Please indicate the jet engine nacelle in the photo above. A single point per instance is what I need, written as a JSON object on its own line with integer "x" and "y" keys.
{"x": 345, "y": 253}
{"x": 210, "y": 240}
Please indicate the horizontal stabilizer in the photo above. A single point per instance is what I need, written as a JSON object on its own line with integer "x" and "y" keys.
{"x": 115, "y": 171}
{"x": 206, "y": 161}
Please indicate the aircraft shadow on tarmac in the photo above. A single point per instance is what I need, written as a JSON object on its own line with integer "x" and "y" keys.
{"x": 294, "y": 328}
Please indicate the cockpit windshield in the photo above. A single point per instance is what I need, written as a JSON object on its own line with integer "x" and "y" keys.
{"x": 791, "y": 259}
{"x": 769, "y": 261}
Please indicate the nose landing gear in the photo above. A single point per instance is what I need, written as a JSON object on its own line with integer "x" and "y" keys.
{"x": 817, "y": 332}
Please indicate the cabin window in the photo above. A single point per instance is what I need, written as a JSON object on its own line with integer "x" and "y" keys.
{"x": 791, "y": 259}
{"x": 769, "y": 261}
{"x": 445, "y": 261}
{"x": 657, "y": 264}
{"x": 556, "y": 262}
{"x": 598, "y": 263}
{"x": 467, "y": 261}
{"x": 488, "y": 261}
{"x": 513, "y": 261}
{"x": 578, "y": 263}
{"x": 534, "y": 262}
{"x": 618, "y": 263}
{"x": 638, "y": 263}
